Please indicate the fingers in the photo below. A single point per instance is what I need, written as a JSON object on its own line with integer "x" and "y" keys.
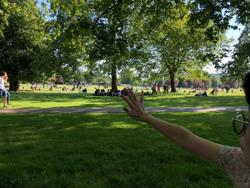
{"x": 131, "y": 96}
{"x": 127, "y": 100}
{"x": 133, "y": 102}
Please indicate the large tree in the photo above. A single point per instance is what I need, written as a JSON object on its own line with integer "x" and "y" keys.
{"x": 220, "y": 13}
{"x": 97, "y": 33}
{"x": 22, "y": 43}
{"x": 68, "y": 31}
{"x": 178, "y": 44}
{"x": 112, "y": 42}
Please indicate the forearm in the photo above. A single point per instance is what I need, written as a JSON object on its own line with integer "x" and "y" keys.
{"x": 186, "y": 139}
{"x": 176, "y": 133}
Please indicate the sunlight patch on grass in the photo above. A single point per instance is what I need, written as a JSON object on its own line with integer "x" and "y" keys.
{"x": 69, "y": 128}
{"x": 122, "y": 125}
{"x": 22, "y": 143}
{"x": 50, "y": 100}
{"x": 92, "y": 124}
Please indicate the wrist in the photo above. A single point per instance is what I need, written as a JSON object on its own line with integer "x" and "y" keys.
{"x": 146, "y": 117}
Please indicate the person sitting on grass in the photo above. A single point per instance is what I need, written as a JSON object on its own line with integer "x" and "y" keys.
{"x": 204, "y": 94}
{"x": 84, "y": 91}
{"x": 234, "y": 160}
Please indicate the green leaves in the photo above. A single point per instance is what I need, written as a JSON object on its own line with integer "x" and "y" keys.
{"x": 68, "y": 29}
{"x": 22, "y": 42}
{"x": 177, "y": 43}
{"x": 241, "y": 57}
{"x": 4, "y": 14}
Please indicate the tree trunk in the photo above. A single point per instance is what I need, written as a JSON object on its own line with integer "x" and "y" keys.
{"x": 14, "y": 83}
{"x": 172, "y": 83}
{"x": 114, "y": 77}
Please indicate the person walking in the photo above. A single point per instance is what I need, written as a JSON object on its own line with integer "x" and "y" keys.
{"x": 5, "y": 84}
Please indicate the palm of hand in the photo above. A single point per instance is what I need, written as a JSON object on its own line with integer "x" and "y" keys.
{"x": 136, "y": 107}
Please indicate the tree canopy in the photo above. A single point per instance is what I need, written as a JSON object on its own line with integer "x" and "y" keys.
{"x": 147, "y": 38}
{"x": 23, "y": 42}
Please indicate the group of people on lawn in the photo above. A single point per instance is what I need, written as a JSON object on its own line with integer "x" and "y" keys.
{"x": 3, "y": 90}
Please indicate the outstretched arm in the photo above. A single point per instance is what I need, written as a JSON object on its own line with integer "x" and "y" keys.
{"x": 179, "y": 135}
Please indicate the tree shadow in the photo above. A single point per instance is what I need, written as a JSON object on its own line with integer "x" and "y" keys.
{"x": 104, "y": 150}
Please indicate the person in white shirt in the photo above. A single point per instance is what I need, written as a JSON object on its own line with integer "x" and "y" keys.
{"x": 3, "y": 90}
{"x": 5, "y": 84}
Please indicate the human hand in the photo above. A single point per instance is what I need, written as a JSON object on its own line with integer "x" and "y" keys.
{"x": 136, "y": 107}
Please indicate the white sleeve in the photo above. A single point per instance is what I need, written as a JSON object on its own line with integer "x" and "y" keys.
{"x": 2, "y": 84}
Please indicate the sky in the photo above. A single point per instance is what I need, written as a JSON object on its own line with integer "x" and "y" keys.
{"x": 39, "y": 3}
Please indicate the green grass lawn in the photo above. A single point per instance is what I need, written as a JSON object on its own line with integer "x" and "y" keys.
{"x": 46, "y": 99}
{"x": 106, "y": 151}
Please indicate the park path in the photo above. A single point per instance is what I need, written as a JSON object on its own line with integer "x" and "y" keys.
{"x": 119, "y": 110}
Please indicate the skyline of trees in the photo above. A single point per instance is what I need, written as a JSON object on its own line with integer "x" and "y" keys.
{"x": 152, "y": 39}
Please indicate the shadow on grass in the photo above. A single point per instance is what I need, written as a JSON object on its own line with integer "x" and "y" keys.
{"x": 47, "y": 97}
{"x": 44, "y": 100}
{"x": 105, "y": 151}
